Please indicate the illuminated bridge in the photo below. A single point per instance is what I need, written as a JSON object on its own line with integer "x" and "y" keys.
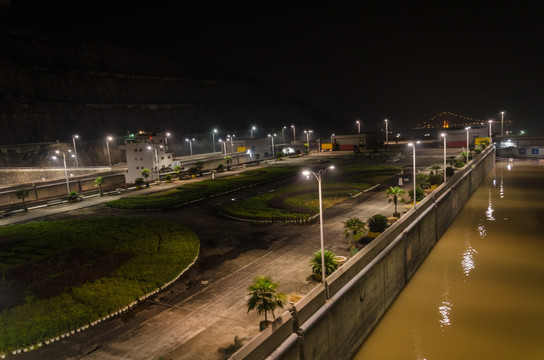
{"x": 448, "y": 119}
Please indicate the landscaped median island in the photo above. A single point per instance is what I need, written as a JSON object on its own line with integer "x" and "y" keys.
{"x": 299, "y": 202}
{"x": 59, "y": 277}
{"x": 184, "y": 194}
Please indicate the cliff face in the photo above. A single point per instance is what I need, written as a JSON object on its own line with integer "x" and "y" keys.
{"x": 53, "y": 87}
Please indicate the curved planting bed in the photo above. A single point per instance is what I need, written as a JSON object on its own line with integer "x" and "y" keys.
{"x": 189, "y": 193}
{"x": 59, "y": 277}
{"x": 298, "y": 203}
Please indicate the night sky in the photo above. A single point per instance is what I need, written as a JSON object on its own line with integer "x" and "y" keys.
{"x": 369, "y": 61}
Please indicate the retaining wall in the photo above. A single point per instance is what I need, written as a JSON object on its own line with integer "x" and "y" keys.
{"x": 364, "y": 287}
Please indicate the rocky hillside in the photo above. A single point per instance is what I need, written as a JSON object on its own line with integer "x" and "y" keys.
{"x": 53, "y": 87}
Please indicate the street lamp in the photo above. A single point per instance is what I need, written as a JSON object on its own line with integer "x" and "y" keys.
{"x": 294, "y": 137}
{"x": 190, "y": 144}
{"x": 166, "y": 135}
{"x": 252, "y": 128}
{"x": 108, "y": 139}
{"x": 74, "y": 137}
{"x": 155, "y": 161}
{"x": 319, "y": 175}
{"x": 358, "y": 126}
{"x": 307, "y": 132}
{"x": 332, "y": 136}
{"x": 490, "y": 123}
{"x": 231, "y": 142}
{"x": 502, "y": 123}
{"x": 65, "y": 170}
{"x": 272, "y": 138}
{"x": 224, "y": 146}
{"x": 213, "y": 138}
{"x": 444, "y": 136}
{"x": 468, "y": 130}
{"x": 386, "y": 133}
{"x": 414, "y": 170}
{"x": 283, "y": 134}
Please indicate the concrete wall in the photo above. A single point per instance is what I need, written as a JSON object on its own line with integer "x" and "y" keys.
{"x": 362, "y": 289}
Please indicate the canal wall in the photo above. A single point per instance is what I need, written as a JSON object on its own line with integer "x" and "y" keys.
{"x": 332, "y": 322}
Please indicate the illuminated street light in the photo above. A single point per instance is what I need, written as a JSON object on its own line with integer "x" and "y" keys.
{"x": 319, "y": 175}
{"x": 308, "y": 132}
{"x": 252, "y": 129}
{"x": 294, "y": 136}
{"x": 272, "y": 138}
{"x": 74, "y": 137}
{"x": 490, "y": 139}
{"x": 166, "y": 135}
{"x": 190, "y": 144}
{"x": 468, "y": 130}
{"x": 224, "y": 146}
{"x": 213, "y": 138}
{"x": 502, "y": 123}
{"x": 231, "y": 137}
{"x": 444, "y": 136}
{"x": 386, "y": 133}
{"x": 65, "y": 170}
{"x": 283, "y": 134}
{"x": 155, "y": 162}
{"x": 358, "y": 126}
{"x": 108, "y": 139}
{"x": 414, "y": 170}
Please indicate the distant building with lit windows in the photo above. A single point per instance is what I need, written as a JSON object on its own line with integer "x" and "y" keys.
{"x": 145, "y": 150}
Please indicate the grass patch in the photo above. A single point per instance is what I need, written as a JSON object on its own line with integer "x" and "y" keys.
{"x": 300, "y": 202}
{"x": 81, "y": 270}
{"x": 185, "y": 194}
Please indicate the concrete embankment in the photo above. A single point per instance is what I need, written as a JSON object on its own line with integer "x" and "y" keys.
{"x": 332, "y": 322}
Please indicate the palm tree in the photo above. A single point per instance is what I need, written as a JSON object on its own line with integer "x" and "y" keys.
{"x": 396, "y": 192}
{"x": 22, "y": 194}
{"x": 145, "y": 175}
{"x": 354, "y": 227}
{"x": 330, "y": 263}
{"x": 98, "y": 182}
{"x": 228, "y": 160}
{"x": 263, "y": 296}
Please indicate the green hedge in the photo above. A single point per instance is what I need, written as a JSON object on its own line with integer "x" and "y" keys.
{"x": 206, "y": 188}
{"x": 62, "y": 275}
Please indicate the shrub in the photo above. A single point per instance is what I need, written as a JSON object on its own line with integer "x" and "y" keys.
{"x": 436, "y": 179}
{"x": 449, "y": 171}
{"x": 377, "y": 223}
{"x": 419, "y": 194}
{"x": 330, "y": 263}
{"x": 73, "y": 195}
{"x": 459, "y": 164}
{"x": 139, "y": 182}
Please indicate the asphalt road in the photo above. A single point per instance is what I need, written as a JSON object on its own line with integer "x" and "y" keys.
{"x": 206, "y": 308}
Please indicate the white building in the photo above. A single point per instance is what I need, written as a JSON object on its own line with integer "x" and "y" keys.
{"x": 147, "y": 151}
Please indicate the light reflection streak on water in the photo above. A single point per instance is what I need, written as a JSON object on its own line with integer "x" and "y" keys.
{"x": 467, "y": 262}
{"x": 446, "y": 306}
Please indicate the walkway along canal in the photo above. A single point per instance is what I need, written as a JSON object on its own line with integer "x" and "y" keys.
{"x": 479, "y": 293}
{"x": 332, "y": 322}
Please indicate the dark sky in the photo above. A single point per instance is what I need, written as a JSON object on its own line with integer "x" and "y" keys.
{"x": 372, "y": 60}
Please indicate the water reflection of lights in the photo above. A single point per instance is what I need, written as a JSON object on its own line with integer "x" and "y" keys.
{"x": 489, "y": 212}
{"x": 445, "y": 311}
{"x": 510, "y": 166}
{"x": 482, "y": 231}
{"x": 468, "y": 262}
{"x": 501, "y": 189}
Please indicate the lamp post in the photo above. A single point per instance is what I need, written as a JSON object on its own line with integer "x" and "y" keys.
{"x": 213, "y": 138}
{"x": 358, "y": 126}
{"x": 502, "y": 123}
{"x": 155, "y": 161}
{"x": 490, "y": 123}
{"x": 65, "y": 170}
{"x": 252, "y": 128}
{"x": 283, "y": 134}
{"x": 386, "y": 133}
{"x": 414, "y": 170}
{"x": 444, "y": 136}
{"x": 468, "y": 130}
{"x": 332, "y": 136}
{"x": 74, "y": 137}
{"x": 294, "y": 136}
{"x": 108, "y": 139}
{"x": 231, "y": 137}
{"x": 224, "y": 146}
{"x": 272, "y": 138}
{"x": 190, "y": 144}
{"x": 166, "y": 135}
{"x": 307, "y": 132}
{"x": 319, "y": 175}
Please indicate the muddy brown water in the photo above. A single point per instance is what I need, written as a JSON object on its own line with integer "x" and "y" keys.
{"x": 480, "y": 292}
